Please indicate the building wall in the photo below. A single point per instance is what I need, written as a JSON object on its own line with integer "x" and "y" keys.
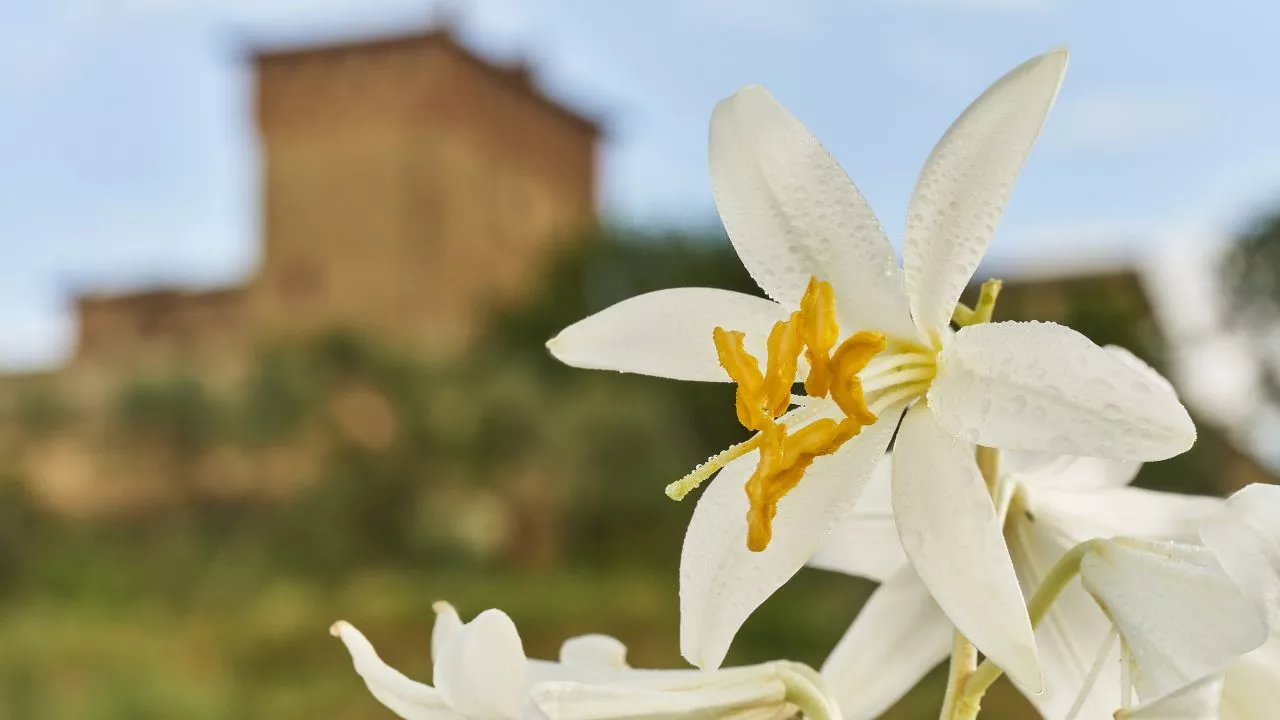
{"x": 156, "y": 329}
{"x": 409, "y": 187}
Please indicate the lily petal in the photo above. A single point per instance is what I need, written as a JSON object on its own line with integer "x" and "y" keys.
{"x": 1129, "y": 511}
{"x": 1177, "y": 611}
{"x": 667, "y": 333}
{"x": 949, "y": 530}
{"x": 1070, "y": 634}
{"x": 1198, "y": 701}
{"x": 792, "y": 214}
{"x": 865, "y": 542}
{"x": 1128, "y": 358}
{"x": 721, "y": 581}
{"x": 897, "y": 637}
{"x": 1072, "y": 472}
{"x": 406, "y": 698}
{"x": 1253, "y": 684}
{"x": 594, "y": 651}
{"x": 447, "y": 627}
{"x": 579, "y": 701}
{"x": 966, "y": 182}
{"x": 1245, "y": 539}
{"x": 481, "y": 673}
{"x": 1044, "y": 387}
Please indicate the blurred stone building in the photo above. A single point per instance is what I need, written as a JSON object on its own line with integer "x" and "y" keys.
{"x": 409, "y": 188}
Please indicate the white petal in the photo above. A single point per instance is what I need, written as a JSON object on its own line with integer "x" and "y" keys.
{"x": 667, "y": 333}
{"x": 1198, "y": 701}
{"x": 1245, "y": 538}
{"x": 966, "y": 182}
{"x": 1073, "y": 472}
{"x": 721, "y": 581}
{"x": 481, "y": 672}
{"x": 898, "y": 636}
{"x": 1137, "y": 363}
{"x": 949, "y": 530}
{"x": 865, "y": 542}
{"x": 404, "y": 697}
{"x": 1127, "y": 511}
{"x": 793, "y": 214}
{"x": 1044, "y": 387}
{"x": 1253, "y": 684}
{"x": 1177, "y": 611}
{"x": 594, "y": 651}
{"x": 1069, "y": 636}
{"x": 579, "y": 701}
{"x": 447, "y": 626}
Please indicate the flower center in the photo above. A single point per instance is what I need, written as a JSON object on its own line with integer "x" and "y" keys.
{"x": 860, "y": 384}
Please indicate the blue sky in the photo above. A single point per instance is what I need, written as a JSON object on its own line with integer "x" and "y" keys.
{"x": 127, "y": 149}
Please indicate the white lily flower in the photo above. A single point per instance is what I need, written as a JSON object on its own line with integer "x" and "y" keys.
{"x": 1053, "y": 504}
{"x": 1178, "y": 615}
{"x": 1185, "y": 612}
{"x": 875, "y": 339}
{"x": 481, "y": 673}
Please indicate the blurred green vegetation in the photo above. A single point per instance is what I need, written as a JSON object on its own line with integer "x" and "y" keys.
{"x": 1251, "y": 276}
{"x": 499, "y": 479}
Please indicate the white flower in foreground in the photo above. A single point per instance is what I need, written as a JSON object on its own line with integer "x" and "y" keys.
{"x": 875, "y": 339}
{"x": 1185, "y": 612}
{"x": 1053, "y": 504}
{"x": 481, "y": 673}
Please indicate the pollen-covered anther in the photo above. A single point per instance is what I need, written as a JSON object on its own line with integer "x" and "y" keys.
{"x": 849, "y": 360}
{"x": 763, "y": 397}
{"x": 820, "y": 331}
{"x": 784, "y": 458}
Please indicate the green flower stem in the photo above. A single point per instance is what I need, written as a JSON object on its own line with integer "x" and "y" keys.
{"x": 989, "y": 463}
{"x": 964, "y": 662}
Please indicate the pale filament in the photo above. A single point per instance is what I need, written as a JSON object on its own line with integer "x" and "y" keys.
{"x": 898, "y": 395}
{"x": 906, "y": 375}
{"x": 889, "y": 362}
{"x": 1091, "y": 679}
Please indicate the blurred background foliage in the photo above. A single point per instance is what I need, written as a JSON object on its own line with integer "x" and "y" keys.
{"x": 499, "y": 479}
{"x": 1253, "y": 278}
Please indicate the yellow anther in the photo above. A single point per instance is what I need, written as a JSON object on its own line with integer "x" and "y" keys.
{"x": 849, "y": 360}
{"x": 745, "y": 371}
{"x": 785, "y": 345}
{"x": 784, "y": 459}
{"x": 762, "y": 398}
{"x": 819, "y": 331}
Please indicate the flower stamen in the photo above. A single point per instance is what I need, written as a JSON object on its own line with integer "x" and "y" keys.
{"x": 763, "y": 397}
